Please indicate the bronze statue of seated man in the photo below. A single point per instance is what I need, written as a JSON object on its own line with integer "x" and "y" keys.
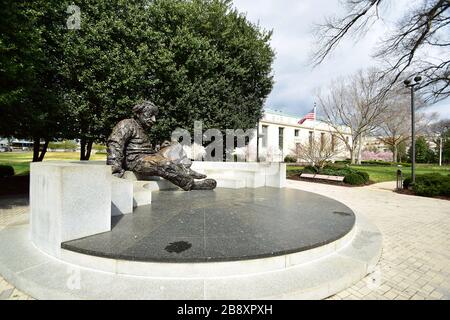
{"x": 130, "y": 149}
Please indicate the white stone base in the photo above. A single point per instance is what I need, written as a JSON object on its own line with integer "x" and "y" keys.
{"x": 121, "y": 197}
{"x": 68, "y": 200}
{"x": 313, "y": 274}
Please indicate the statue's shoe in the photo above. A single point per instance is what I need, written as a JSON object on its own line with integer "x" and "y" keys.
{"x": 207, "y": 184}
{"x": 196, "y": 175}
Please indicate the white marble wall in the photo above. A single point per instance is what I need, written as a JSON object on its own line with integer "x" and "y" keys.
{"x": 68, "y": 200}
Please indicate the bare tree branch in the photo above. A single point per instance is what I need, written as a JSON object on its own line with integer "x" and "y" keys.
{"x": 421, "y": 30}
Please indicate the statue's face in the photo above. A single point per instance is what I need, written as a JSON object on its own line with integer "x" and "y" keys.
{"x": 147, "y": 117}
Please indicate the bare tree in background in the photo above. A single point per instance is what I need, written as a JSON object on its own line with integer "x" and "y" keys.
{"x": 395, "y": 125}
{"x": 318, "y": 150}
{"x": 353, "y": 106}
{"x": 440, "y": 127}
{"x": 439, "y": 131}
{"x": 423, "y": 29}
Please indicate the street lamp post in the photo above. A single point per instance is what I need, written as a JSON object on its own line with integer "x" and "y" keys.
{"x": 412, "y": 85}
{"x": 441, "y": 147}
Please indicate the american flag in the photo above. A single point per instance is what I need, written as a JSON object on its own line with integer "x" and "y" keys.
{"x": 310, "y": 116}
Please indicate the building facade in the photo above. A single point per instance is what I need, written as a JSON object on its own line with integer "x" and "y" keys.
{"x": 280, "y": 132}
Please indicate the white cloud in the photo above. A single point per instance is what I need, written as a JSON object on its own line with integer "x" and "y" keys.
{"x": 292, "y": 22}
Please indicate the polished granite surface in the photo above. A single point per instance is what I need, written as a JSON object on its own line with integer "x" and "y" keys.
{"x": 221, "y": 225}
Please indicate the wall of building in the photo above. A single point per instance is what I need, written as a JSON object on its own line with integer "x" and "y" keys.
{"x": 274, "y": 120}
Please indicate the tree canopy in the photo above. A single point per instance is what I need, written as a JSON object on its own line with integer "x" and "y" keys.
{"x": 196, "y": 59}
{"x": 29, "y": 62}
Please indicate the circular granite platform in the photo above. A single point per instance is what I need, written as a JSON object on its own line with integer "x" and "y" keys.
{"x": 221, "y": 225}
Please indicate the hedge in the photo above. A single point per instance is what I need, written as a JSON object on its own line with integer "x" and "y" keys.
{"x": 384, "y": 163}
{"x": 429, "y": 185}
{"x": 6, "y": 171}
{"x": 290, "y": 159}
{"x": 354, "y": 179}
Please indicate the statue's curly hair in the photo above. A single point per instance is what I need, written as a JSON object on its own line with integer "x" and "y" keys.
{"x": 146, "y": 105}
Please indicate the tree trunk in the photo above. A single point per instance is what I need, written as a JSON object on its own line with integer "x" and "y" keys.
{"x": 36, "y": 147}
{"x": 352, "y": 156}
{"x": 38, "y": 154}
{"x": 359, "y": 150}
{"x": 44, "y": 150}
{"x": 395, "y": 155}
{"x": 352, "y": 150}
{"x": 86, "y": 148}
{"x": 82, "y": 148}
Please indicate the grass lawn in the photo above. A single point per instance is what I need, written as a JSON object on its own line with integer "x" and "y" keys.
{"x": 20, "y": 161}
{"x": 389, "y": 173}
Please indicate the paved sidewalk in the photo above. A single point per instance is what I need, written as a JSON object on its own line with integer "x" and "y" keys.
{"x": 13, "y": 211}
{"x": 415, "y": 263}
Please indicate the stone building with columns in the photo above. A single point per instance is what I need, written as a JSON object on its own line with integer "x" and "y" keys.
{"x": 280, "y": 132}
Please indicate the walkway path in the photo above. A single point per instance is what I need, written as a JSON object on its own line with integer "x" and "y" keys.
{"x": 415, "y": 263}
{"x": 12, "y": 211}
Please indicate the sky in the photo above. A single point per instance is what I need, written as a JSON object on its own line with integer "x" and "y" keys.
{"x": 292, "y": 22}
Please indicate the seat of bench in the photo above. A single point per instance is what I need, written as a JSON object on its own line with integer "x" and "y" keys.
{"x": 322, "y": 177}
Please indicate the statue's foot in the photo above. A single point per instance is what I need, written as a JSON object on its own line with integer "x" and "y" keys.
{"x": 208, "y": 184}
{"x": 196, "y": 175}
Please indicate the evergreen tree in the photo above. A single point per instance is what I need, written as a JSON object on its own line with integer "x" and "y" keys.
{"x": 424, "y": 154}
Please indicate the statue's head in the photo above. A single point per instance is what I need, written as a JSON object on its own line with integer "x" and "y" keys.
{"x": 146, "y": 113}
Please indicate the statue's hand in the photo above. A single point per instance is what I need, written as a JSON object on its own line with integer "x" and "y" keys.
{"x": 119, "y": 174}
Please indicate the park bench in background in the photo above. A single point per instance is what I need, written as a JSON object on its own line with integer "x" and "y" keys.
{"x": 322, "y": 177}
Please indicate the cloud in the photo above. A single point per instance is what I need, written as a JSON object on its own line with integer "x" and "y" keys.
{"x": 292, "y": 22}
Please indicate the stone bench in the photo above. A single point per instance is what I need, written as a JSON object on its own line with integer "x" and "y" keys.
{"x": 232, "y": 175}
{"x": 72, "y": 200}
{"x": 238, "y": 175}
{"x": 322, "y": 177}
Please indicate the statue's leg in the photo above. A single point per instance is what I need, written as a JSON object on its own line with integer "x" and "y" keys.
{"x": 171, "y": 172}
{"x": 195, "y": 174}
{"x": 176, "y": 154}
{"x": 177, "y": 175}
{"x": 157, "y": 165}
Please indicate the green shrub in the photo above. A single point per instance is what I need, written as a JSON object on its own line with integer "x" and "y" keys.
{"x": 425, "y": 190}
{"x": 364, "y": 175}
{"x": 375, "y": 163}
{"x": 347, "y": 161}
{"x": 330, "y": 172}
{"x": 354, "y": 179}
{"x": 445, "y": 188}
{"x": 310, "y": 169}
{"x": 407, "y": 182}
{"x": 6, "y": 171}
{"x": 294, "y": 173}
{"x": 290, "y": 159}
{"x": 335, "y": 166}
{"x": 430, "y": 185}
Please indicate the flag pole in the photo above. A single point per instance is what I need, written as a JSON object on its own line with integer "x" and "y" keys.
{"x": 314, "y": 132}
{"x": 315, "y": 117}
